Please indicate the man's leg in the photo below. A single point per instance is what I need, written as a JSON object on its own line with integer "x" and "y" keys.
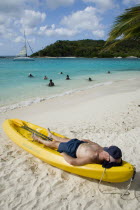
{"x": 57, "y": 138}
{"x": 51, "y": 144}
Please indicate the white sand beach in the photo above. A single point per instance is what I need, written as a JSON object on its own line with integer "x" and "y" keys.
{"x": 108, "y": 115}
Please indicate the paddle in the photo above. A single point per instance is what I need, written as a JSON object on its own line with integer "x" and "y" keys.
{"x": 22, "y": 125}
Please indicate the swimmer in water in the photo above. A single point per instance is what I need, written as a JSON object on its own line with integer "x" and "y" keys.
{"x": 67, "y": 78}
{"x": 45, "y": 77}
{"x": 30, "y": 75}
{"x": 51, "y": 84}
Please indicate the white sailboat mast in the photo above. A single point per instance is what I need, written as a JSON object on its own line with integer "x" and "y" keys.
{"x": 25, "y": 43}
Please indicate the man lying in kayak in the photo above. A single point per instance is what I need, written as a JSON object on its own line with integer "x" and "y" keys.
{"x": 77, "y": 152}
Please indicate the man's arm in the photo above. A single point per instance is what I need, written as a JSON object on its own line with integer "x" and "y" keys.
{"x": 76, "y": 161}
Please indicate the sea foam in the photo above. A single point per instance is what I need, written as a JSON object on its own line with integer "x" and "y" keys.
{"x": 38, "y": 100}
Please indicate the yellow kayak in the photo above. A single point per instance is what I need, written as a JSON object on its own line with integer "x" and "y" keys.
{"x": 23, "y": 138}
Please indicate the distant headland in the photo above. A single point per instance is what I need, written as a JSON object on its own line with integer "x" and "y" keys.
{"x": 89, "y": 48}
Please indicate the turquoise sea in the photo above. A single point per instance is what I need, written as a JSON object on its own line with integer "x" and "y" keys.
{"x": 17, "y": 89}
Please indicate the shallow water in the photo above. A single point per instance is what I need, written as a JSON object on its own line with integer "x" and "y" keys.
{"x": 17, "y": 89}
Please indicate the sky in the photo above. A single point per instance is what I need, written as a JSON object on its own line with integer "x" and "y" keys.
{"x": 46, "y": 21}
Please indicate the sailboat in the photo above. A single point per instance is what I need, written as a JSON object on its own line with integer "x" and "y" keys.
{"x": 22, "y": 56}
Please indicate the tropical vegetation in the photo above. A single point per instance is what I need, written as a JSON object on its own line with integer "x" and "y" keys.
{"x": 90, "y": 49}
{"x": 126, "y": 26}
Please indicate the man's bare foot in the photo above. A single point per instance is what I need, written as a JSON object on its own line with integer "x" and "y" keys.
{"x": 36, "y": 138}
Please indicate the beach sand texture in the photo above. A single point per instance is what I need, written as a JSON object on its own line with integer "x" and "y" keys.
{"x": 108, "y": 115}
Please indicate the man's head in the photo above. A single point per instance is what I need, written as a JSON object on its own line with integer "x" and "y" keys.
{"x": 114, "y": 152}
{"x": 115, "y": 155}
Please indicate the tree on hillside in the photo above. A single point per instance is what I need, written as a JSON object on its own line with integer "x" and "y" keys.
{"x": 89, "y": 49}
{"x": 126, "y": 26}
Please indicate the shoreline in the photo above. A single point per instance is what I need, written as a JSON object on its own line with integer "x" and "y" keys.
{"x": 108, "y": 115}
{"x": 73, "y": 57}
{"x": 73, "y": 99}
{"x": 119, "y": 57}
{"x": 38, "y": 100}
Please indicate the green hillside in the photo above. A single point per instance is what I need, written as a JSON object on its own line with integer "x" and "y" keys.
{"x": 89, "y": 48}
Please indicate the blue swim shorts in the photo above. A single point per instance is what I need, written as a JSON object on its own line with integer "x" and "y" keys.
{"x": 70, "y": 147}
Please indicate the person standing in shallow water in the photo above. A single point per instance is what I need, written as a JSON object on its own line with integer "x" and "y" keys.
{"x": 67, "y": 78}
{"x": 89, "y": 79}
{"x": 45, "y": 77}
{"x": 51, "y": 84}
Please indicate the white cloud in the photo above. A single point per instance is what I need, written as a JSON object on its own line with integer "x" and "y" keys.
{"x": 32, "y": 18}
{"x": 19, "y": 15}
{"x": 102, "y": 4}
{"x": 46, "y": 27}
{"x": 2, "y": 19}
{"x": 76, "y": 23}
{"x": 6, "y": 32}
{"x": 5, "y": 21}
{"x": 53, "y": 4}
{"x": 19, "y": 39}
{"x": 14, "y": 18}
{"x": 62, "y": 32}
{"x": 15, "y": 8}
{"x": 52, "y": 31}
{"x": 127, "y": 2}
{"x": 31, "y": 40}
{"x": 12, "y": 7}
{"x": 29, "y": 31}
{"x": 86, "y": 19}
{"x": 98, "y": 33}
